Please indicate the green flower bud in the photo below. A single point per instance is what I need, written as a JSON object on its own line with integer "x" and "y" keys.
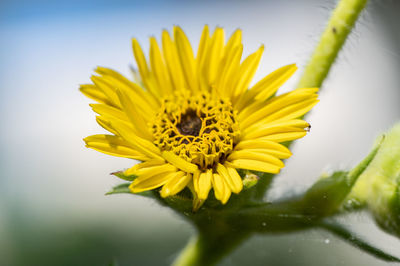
{"x": 379, "y": 186}
{"x": 250, "y": 180}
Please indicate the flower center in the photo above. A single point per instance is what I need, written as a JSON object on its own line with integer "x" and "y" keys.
{"x": 190, "y": 124}
{"x": 200, "y": 128}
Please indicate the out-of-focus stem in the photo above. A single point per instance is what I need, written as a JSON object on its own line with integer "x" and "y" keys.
{"x": 208, "y": 249}
{"x": 339, "y": 26}
{"x": 348, "y": 236}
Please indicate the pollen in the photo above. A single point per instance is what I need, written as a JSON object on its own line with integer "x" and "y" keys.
{"x": 200, "y": 128}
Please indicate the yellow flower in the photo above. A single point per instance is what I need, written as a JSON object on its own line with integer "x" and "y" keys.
{"x": 193, "y": 120}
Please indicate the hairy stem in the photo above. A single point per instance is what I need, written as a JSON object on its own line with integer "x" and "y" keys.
{"x": 332, "y": 39}
{"x": 339, "y": 26}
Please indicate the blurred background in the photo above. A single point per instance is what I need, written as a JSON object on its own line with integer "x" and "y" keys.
{"x": 52, "y": 205}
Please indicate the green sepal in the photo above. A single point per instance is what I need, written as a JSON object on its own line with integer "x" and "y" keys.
{"x": 124, "y": 189}
{"x": 326, "y": 196}
{"x": 121, "y": 175}
{"x": 181, "y": 204}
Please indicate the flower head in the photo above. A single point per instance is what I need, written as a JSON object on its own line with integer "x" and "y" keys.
{"x": 193, "y": 120}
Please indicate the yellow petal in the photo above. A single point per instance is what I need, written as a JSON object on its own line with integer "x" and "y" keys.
{"x": 109, "y": 112}
{"x": 234, "y": 41}
{"x": 259, "y": 130}
{"x": 282, "y": 137}
{"x": 196, "y": 176}
{"x": 204, "y": 39}
{"x": 266, "y": 131}
{"x": 227, "y": 193}
{"x": 204, "y": 184}
{"x": 276, "y": 153}
{"x": 179, "y": 162}
{"x": 219, "y": 186}
{"x": 289, "y": 102}
{"x": 225, "y": 85}
{"x": 142, "y": 98}
{"x": 261, "y": 108}
{"x": 215, "y": 55}
{"x": 173, "y": 62}
{"x": 106, "y": 124}
{"x": 234, "y": 183}
{"x": 143, "y": 145}
{"x": 159, "y": 69}
{"x": 186, "y": 58}
{"x": 146, "y": 164}
{"x": 221, "y": 189}
{"x": 261, "y": 144}
{"x": 236, "y": 179}
{"x": 107, "y": 89}
{"x": 145, "y": 73}
{"x": 251, "y": 155}
{"x": 247, "y": 71}
{"x": 140, "y": 59}
{"x": 140, "y": 185}
{"x": 113, "y": 145}
{"x": 148, "y": 172}
{"x": 255, "y": 166}
{"x": 293, "y": 111}
{"x": 138, "y": 121}
{"x": 268, "y": 86}
{"x": 175, "y": 184}
{"x": 92, "y": 92}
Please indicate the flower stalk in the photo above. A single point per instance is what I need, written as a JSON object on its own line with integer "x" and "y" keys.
{"x": 336, "y": 32}
{"x": 208, "y": 249}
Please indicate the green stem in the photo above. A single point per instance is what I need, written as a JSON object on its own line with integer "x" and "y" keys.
{"x": 339, "y": 26}
{"x": 230, "y": 228}
{"x": 208, "y": 249}
{"x": 348, "y": 236}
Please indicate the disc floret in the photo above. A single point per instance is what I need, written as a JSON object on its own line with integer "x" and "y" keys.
{"x": 200, "y": 128}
